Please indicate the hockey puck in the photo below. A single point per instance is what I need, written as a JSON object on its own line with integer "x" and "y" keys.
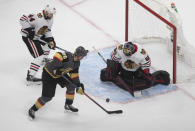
{"x": 107, "y": 100}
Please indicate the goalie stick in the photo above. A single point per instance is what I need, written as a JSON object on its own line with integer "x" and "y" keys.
{"x": 109, "y": 112}
{"x": 100, "y": 54}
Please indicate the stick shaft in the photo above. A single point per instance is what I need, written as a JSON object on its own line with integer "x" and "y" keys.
{"x": 96, "y": 102}
{"x": 99, "y": 54}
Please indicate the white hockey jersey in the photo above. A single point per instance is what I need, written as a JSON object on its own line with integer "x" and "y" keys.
{"x": 41, "y": 25}
{"x": 131, "y": 63}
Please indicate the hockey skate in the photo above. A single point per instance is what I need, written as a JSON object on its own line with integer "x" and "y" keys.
{"x": 45, "y": 61}
{"x": 31, "y": 114}
{"x": 31, "y": 78}
{"x": 71, "y": 108}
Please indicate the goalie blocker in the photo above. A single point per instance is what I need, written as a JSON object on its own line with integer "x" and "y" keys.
{"x": 132, "y": 81}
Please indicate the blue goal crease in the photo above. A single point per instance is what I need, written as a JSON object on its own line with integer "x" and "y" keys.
{"x": 90, "y": 69}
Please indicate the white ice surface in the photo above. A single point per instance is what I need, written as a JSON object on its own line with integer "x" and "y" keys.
{"x": 97, "y": 23}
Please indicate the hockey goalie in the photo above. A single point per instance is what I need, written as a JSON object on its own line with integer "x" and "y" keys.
{"x": 129, "y": 68}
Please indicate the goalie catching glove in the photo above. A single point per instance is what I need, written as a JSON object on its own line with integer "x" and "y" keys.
{"x": 80, "y": 89}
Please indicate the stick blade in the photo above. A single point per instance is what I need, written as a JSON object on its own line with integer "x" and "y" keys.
{"x": 115, "y": 112}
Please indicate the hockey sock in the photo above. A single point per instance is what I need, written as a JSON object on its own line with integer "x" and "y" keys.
{"x": 69, "y": 98}
{"x": 33, "y": 68}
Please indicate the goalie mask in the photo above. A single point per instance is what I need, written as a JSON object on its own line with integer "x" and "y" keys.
{"x": 129, "y": 49}
{"x": 80, "y": 51}
{"x": 49, "y": 12}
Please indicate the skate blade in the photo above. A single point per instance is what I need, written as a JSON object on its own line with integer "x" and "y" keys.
{"x": 30, "y": 83}
{"x": 30, "y": 118}
{"x": 69, "y": 111}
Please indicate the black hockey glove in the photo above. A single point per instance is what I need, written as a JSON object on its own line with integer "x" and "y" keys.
{"x": 31, "y": 33}
{"x": 51, "y": 43}
{"x": 80, "y": 89}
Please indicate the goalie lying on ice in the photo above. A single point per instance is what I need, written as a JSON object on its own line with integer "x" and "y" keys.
{"x": 129, "y": 68}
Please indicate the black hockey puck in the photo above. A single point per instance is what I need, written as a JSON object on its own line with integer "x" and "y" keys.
{"x": 107, "y": 100}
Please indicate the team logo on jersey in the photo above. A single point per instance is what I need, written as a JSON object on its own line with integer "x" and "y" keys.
{"x": 130, "y": 64}
{"x": 120, "y": 47}
{"x": 42, "y": 30}
{"x": 39, "y": 15}
{"x": 143, "y": 52}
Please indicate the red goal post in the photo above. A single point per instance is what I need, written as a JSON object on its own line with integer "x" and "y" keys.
{"x": 161, "y": 18}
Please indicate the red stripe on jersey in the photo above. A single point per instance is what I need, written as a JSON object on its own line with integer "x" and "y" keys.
{"x": 46, "y": 52}
{"x": 69, "y": 93}
{"x": 35, "y": 67}
{"x": 57, "y": 58}
{"x": 23, "y": 18}
{"x": 135, "y": 47}
{"x": 75, "y": 77}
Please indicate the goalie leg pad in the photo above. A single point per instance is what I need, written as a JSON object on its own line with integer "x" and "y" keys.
{"x": 103, "y": 75}
{"x": 161, "y": 77}
{"x": 122, "y": 84}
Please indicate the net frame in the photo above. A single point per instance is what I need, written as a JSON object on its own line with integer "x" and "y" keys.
{"x": 161, "y": 18}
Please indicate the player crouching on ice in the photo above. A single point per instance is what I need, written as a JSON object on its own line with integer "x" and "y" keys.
{"x": 129, "y": 68}
{"x": 64, "y": 65}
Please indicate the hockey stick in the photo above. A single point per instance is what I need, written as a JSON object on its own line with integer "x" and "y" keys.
{"x": 46, "y": 42}
{"x": 60, "y": 48}
{"x": 109, "y": 112}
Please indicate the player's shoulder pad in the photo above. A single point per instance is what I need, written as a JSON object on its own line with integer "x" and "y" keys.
{"x": 120, "y": 47}
{"x": 60, "y": 56}
{"x": 39, "y": 15}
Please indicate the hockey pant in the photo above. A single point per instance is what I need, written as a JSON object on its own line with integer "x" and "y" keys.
{"x": 49, "y": 87}
{"x": 39, "y": 51}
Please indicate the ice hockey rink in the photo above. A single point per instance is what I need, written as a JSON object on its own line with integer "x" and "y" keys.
{"x": 89, "y": 23}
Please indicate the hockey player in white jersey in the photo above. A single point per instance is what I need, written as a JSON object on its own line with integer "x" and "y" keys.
{"x": 129, "y": 68}
{"x": 36, "y": 34}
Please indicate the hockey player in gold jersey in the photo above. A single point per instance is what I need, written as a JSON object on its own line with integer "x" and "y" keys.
{"x": 66, "y": 65}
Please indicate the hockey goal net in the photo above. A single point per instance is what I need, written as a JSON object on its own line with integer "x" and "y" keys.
{"x": 158, "y": 23}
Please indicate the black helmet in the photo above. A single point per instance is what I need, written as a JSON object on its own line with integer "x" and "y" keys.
{"x": 129, "y": 49}
{"x": 80, "y": 51}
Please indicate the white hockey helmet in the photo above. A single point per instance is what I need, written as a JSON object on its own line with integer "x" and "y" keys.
{"x": 50, "y": 10}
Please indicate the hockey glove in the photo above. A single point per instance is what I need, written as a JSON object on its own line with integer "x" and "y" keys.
{"x": 51, "y": 42}
{"x": 52, "y": 45}
{"x": 80, "y": 89}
